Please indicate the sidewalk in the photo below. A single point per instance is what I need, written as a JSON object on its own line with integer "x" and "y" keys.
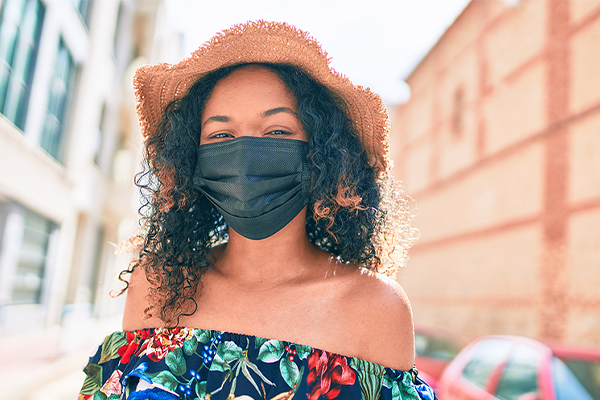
{"x": 58, "y": 379}
{"x": 41, "y": 365}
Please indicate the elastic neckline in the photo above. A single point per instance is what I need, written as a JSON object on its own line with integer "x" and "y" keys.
{"x": 367, "y": 366}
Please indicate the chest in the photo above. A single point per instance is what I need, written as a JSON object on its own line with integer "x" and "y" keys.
{"x": 315, "y": 315}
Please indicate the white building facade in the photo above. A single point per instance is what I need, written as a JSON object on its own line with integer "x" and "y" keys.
{"x": 69, "y": 148}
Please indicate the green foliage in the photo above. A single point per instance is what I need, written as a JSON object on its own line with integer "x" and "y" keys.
{"x": 99, "y": 396}
{"x": 226, "y": 353}
{"x": 369, "y": 376}
{"x": 230, "y": 351}
{"x": 190, "y": 346}
{"x": 289, "y": 371}
{"x": 258, "y": 341}
{"x": 93, "y": 380}
{"x": 202, "y": 335}
{"x": 200, "y": 389}
{"x": 166, "y": 379}
{"x": 303, "y": 351}
{"x": 176, "y": 362}
{"x": 271, "y": 351}
{"x": 111, "y": 345}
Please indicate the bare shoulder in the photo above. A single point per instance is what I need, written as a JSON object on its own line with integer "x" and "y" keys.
{"x": 136, "y": 303}
{"x": 386, "y": 329}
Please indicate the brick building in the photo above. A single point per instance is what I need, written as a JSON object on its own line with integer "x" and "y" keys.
{"x": 500, "y": 147}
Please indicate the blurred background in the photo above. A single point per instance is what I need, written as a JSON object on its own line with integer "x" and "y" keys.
{"x": 495, "y": 108}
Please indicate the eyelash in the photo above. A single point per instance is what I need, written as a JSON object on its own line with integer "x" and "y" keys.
{"x": 280, "y": 132}
{"x": 222, "y": 135}
{"x": 219, "y": 135}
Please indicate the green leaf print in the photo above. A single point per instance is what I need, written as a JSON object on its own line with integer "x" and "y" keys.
{"x": 303, "y": 351}
{"x": 243, "y": 364}
{"x": 258, "y": 341}
{"x": 229, "y": 351}
{"x": 289, "y": 371}
{"x": 190, "y": 346}
{"x": 395, "y": 391}
{"x": 200, "y": 389}
{"x": 254, "y": 368}
{"x": 246, "y": 373}
{"x": 93, "y": 380}
{"x": 176, "y": 362}
{"x": 111, "y": 345}
{"x": 369, "y": 377}
{"x": 271, "y": 351}
{"x": 386, "y": 382}
{"x": 407, "y": 389}
{"x": 218, "y": 364}
{"x": 99, "y": 396}
{"x": 166, "y": 379}
{"x": 202, "y": 335}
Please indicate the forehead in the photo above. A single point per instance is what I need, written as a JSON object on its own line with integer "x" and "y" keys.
{"x": 252, "y": 85}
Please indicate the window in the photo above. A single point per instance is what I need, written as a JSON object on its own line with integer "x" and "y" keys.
{"x": 60, "y": 91}
{"x": 84, "y": 7}
{"x": 27, "y": 286}
{"x": 569, "y": 386}
{"x": 576, "y": 378}
{"x": 520, "y": 376}
{"x": 427, "y": 345}
{"x": 20, "y": 28}
{"x": 486, "y": 357}
{"x": 23, "y": 253}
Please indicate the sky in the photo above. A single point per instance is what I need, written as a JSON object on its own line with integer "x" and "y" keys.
{"x": 376, "y": 43}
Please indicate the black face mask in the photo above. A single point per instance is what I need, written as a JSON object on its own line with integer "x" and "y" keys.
{"x": 258, "y": 184}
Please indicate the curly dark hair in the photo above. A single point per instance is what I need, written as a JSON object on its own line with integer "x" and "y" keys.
{"x": 181, "y": 225}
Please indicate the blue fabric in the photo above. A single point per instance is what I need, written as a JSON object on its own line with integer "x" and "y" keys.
{"x": 185, "y": 363}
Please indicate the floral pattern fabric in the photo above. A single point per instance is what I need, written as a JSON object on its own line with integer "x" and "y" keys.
{"x": 185, "y": 363}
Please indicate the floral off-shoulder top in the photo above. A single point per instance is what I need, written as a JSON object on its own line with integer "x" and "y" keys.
{"x": 186, "y": 363}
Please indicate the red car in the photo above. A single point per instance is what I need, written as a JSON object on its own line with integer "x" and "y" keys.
{"x": 435, "y": 347}
{"x": 518, "y": 368}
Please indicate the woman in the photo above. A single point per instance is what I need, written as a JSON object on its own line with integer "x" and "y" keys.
{"x": 264, "y": 229}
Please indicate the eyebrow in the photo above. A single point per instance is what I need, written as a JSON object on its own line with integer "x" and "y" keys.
{"x": 216, "y": 118}
{"x": 268, "y": 113}
{"x": 277, "y": 110}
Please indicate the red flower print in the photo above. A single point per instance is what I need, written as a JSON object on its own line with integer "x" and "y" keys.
{"x": 133, "y": 342}
{"x": 327, "y": 372}
{"x": 164, "y": 340}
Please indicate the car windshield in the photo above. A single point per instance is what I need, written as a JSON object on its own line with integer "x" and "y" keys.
{"x": 435, "y": 347}
{"x": 576, "y": 379}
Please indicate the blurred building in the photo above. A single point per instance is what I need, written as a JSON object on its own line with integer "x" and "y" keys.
{"x": 500, "y": 146}
{"x": 69, "y": 148}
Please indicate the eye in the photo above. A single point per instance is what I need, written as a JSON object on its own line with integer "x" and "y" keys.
{"x": 220, "y": 135}
{"x": 278, "y": 132}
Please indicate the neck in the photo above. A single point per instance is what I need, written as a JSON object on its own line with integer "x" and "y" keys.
{"x": 283, "y": 257}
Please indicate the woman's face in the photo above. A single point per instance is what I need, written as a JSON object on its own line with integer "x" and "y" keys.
{"x": 251, "y": 101}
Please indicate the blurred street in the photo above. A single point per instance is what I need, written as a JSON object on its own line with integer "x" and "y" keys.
{"x": 49, "y": 379}
{"x": 56, "y": 373}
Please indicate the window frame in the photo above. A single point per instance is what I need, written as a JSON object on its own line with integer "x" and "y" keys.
{"x": 22, "y": 102}
{"x": 54, "y": 142}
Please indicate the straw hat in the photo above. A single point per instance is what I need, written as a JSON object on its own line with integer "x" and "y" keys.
{"x": 262, "y": 42}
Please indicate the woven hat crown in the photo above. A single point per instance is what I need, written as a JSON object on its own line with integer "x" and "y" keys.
{"x": 156, "y": 86}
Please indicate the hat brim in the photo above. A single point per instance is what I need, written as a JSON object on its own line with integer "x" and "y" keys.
{"x": 156, "y": 86}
